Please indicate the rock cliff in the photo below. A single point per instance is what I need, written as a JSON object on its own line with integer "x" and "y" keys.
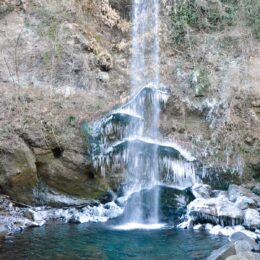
{"x": 64, "y": 64}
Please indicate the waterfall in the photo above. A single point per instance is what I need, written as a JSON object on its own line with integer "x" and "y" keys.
{"x": 145, "y": 43}
{"x": 129, "y": 138}
{"x": 143, "y": 168}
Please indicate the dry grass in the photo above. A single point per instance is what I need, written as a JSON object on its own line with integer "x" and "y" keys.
{"x": 48, "y": 119}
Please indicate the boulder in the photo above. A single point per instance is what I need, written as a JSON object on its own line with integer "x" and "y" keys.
{"x": 38, "y": 218}
{"x": 18, "y": 173}
{"x": 252, "y": 218}
{"x": 201, "y": 191}
{"x": 225, "y": 231}
{"x": 223, "y": 253}
{"x": 242, "y": 246}
{"x": 235, "y": 191}
{"x": 34, "y": 172}
{"x": 240, "y": 236}
{"x": 243, "y": 202}
{"x": 62, "y": 178}
{"x": 215, "y": 210}
{"x": 245, "y": 256}
{"x": 198, "y": 227}
{"x": 186, "y": 224}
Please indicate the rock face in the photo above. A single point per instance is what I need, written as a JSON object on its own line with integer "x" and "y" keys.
{"x": 39, "y": 166}
{"x": 65, "y": 63}
{"x": 18, "y": 173}
{"x": 67, "y": 50}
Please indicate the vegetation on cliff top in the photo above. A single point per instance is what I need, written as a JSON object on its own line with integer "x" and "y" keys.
{"x": 208, "y": 16}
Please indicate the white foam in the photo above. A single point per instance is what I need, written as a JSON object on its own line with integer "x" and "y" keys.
{"x": 134, "y": 226}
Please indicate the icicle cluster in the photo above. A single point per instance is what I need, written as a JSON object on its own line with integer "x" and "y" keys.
{"x": 124, "y": 127}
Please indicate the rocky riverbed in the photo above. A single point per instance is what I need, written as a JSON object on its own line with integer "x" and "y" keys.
{"x": 15, "y": 218}
{"x": 234, "y": 213}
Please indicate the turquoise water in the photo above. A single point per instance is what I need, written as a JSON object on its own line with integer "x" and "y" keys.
{"x": 100, "y": 241}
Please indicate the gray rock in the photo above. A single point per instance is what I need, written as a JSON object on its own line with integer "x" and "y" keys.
{"x": 223, "y": 253}
{"x": 240, "y": 236}
{"x": 234, "y": 191}
{"x": 215, "y": 210}
{"x": 256, "y": 189}
{"x": 249, "y": 185}
{"x": 217, "y": 193}
{"x": 243, "y": 202}
{"x": 245, "y": 256}
{"x": 252, "y": 218}
{"x": 242, "y": 246}
{"x": 103, "y": 77}
{"x": 201, "y": 191}
{"x": 37, "y": 217}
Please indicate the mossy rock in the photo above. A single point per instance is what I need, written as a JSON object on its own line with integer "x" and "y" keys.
{"x": 18, "y": 174}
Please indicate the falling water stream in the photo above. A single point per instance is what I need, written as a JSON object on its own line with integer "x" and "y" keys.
{"x": 130, "y": 137}
{"x": 143, "y": 171}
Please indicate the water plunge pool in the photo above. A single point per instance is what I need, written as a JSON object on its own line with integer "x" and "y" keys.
{"x": 103, "y": 241}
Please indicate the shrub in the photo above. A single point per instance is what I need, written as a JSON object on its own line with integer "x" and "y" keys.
{"x": 188, "y": 16}
{"x": 252, "y": 15}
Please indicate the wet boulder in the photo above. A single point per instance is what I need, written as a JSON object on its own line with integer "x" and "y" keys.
{"x": 223, "y": 253}
{"x": 242, "y": 237}
{"x": 172, "y": 206}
